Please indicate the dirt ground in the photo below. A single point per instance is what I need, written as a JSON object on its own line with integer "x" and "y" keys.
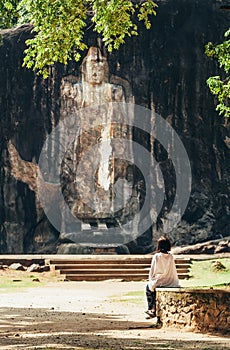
{"x": 89, "y": 315}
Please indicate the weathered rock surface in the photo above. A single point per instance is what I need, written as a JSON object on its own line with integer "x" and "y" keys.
{"x": 211, "y": 247}
{"x": 204, "y": 310}
{"x": 38, "y": 268}
{"x": 165, "y": 69}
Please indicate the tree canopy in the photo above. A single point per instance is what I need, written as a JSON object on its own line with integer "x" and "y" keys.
{"x": 59, "y": 26}
{"x": 220, "y": 86}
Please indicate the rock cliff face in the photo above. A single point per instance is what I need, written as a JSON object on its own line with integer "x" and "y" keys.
{"x": 163, "y": 69}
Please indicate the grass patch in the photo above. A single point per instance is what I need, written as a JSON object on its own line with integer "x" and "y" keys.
{"x": 202, "y": 274}
{"x": 11, "y": 281}
{"x": 134, "y": 297}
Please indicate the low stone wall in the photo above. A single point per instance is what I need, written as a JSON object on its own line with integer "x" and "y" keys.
{"x": 196, "y": 309}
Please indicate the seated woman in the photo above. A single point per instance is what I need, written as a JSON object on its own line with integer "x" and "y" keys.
{"x": 162, "y": 273}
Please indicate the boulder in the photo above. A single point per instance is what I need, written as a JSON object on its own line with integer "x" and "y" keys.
{"x": 17, "y": 266}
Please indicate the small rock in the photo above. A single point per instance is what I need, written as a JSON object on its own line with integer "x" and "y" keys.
{"x": 223, "y": 243}
{"x": 222, "y": 249}
{"x": 17, "y": 280}
{"x": 35, "y": 279}
{"x": 34, "y": 268}
{"x": 38, "y": 268}
{"x": 44, "y": 268}
{"x": 218, "y": 266}
{"x": 17, "y": 266}
{"x": 208, "y": 249}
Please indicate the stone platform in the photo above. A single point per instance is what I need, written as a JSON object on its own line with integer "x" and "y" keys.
{"x": 205, "y": 309}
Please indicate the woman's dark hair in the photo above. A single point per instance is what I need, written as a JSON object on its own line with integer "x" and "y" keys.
{"x": 163, "y": 245}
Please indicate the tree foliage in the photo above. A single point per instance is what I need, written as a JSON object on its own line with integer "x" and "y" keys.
{"x": 220, "y": 86}
{"x": 8, "y": 13}
{"x": 59, "y": 26}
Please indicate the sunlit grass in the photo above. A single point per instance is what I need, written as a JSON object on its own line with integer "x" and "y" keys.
{"x": 203, "y": 275}
{"x": 11, "y": 280}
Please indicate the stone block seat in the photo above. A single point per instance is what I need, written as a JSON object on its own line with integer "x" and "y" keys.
{"x": 204, "y": 309}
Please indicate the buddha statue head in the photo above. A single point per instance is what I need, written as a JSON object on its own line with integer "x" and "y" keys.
{"x": 94, "y": 67}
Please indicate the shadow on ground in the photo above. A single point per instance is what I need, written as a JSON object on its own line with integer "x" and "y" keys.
{"x": 50, "y": 329}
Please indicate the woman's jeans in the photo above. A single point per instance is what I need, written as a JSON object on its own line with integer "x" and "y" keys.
{"x": 151, "y": 298}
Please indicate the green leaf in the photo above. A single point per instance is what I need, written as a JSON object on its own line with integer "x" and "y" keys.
{"x": 59, "y": 26}
{"x": 220, "y": 87}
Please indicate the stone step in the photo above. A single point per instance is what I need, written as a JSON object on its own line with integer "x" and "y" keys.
{"x": 93, "y": 268}
{"x": 101, "y": 260}
{"x": 111, "y": 272}
{"x": 104, "y": 277}
{"x": 100, "y": 277}
{"x": 105, "y": 271}
{"x": 110, "y": 266}
{"x": 182, "y": 270}
{"x": 95, "y": 260}
{"x": 99, "y": 266}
